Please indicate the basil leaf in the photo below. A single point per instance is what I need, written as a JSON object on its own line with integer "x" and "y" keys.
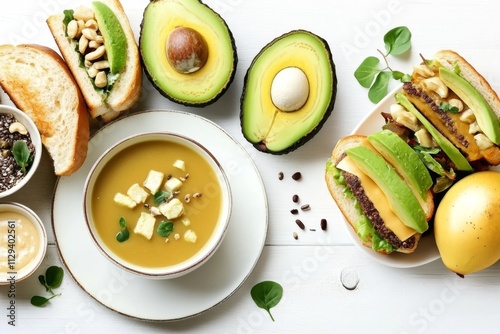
{"x": 266, "y": 295}
{"x": 21, "y": 154}
{"x": 379, "y": 88}
{"x": 54, "y": 276}
{"x": 165, "y": 228}
{"x": 122, "y": 236}
{"x": 160, "y": 196}
{"x": 123, "y": 223}
{"x": 397, "y": 40}
{"x": 39, "y": 301}
{"x": 367, "y": 71}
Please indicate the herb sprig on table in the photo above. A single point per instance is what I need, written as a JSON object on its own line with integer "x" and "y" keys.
{"x": 52, "y": 280}
{"x": 370, "y": 75}
{"x": 266, "y": 295}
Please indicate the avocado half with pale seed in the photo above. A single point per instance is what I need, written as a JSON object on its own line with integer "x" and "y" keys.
{"x": 187, "y": 51}
{"x": 289, "y": 92}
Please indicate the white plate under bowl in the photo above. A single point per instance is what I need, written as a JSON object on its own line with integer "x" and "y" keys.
{"x": 427, "y": 250}
{"x": 196, "y": 292}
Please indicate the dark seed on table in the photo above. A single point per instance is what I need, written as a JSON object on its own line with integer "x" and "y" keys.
{"x": 305, "y": 207}
{"x": 323, "y": 224}
{"x": 280, "y": 176}
{"x": 296, "y": 176}
{"x": 294, "y": 211}
{"x": 300, "y": 224}
{"x": 295, "y": 198}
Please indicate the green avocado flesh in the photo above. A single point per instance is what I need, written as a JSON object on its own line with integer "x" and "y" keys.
{"x": 211, "y": 81}
{"x": 406, "y": 161}
{"x": 114, "y": 36}
{"x": 400, "y": 196}
{"x": 363, "y": 226}
{"x": 448, "y": 148}
{"x": 274, "y": 131}
{"x": 486, "y": 118}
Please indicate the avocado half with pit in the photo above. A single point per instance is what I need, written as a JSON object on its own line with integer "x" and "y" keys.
{"x": 187, "y": 51}
{"x": 289, "y": 92}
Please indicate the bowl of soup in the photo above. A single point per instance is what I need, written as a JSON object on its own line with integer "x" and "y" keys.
{"x": 23, "y": 242}
{"x": 157, "y": 204}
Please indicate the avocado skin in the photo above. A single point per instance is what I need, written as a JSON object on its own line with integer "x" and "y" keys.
{"x": 261, "y": 146}
{"x": 221, "y": 92}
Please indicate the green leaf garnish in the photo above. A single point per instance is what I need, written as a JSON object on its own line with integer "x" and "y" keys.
{"x": 160, "y": 196}
{"x": 165, "y": 228}
{"x": 52, "y": 280}
{"x": 123, "y": 223}
{"x": 21, "y": 154}
{"x": 266, "y": 295}
{"x": 370, "y": 75}
{"x": 445, "y": 106}
{"x": 123, "y": 234}
{"x": 367, "y": 71}
{"x": 380, "y": 87}
{"x": 397, "y": 40}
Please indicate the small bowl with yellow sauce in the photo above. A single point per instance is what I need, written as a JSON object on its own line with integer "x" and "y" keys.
{"x": 157, "y": 204}
{"x": 23, "y": 242}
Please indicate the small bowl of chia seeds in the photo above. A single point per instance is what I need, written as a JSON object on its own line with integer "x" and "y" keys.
{"x": 20, "y": 149}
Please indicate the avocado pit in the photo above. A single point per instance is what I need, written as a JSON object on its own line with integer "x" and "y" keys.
{"x": 290, "y": 89}
{"x": 186, "y": 49}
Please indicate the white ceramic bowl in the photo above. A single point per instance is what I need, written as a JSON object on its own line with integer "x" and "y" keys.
{"x": 11, "y": 252}
{"x": 206, "y": 251}
{"x": 24, "y": 119}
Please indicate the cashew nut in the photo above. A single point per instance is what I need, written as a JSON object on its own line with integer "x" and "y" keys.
{"x": 437, "y": 85}
{"x": 18, "y": 127}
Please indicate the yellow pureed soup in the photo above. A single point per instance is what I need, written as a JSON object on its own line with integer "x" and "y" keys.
{"x": 199, "y": 193}
{"x": 20, "y": 242}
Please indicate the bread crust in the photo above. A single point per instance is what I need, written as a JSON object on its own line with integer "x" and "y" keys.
{"x": 346, "y": 204}
{"x": 126, "y": 90}
{"x": 56, "y": 122}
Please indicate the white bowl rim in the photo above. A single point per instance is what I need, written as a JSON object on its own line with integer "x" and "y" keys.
{"x": 36, "y": 139}
{"x": 32, "y": 266}
{"x": 203, "y": 254}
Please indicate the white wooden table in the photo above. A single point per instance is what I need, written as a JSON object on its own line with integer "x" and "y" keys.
{"x": 426, "y": 299}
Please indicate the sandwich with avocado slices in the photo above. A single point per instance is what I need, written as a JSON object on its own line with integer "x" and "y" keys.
{"x": 383, "y": 189}
{"x": 99, "y": 47}
{"x": 450, "y": 113}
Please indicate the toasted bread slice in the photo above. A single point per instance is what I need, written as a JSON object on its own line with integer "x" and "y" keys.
{"x": 345, "y": 203}
{"x": 126, "y": 90}
{"x": 39, "y": 83}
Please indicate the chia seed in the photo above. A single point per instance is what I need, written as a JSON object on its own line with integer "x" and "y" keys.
{"x": 10, "y": 172}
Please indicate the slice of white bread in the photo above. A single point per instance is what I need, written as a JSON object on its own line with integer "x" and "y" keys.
{"x": 126, "y": 90}
{"x": 345, "y": 203}
{"x": 39, "y": 83}
{"x": 449, "y": 59}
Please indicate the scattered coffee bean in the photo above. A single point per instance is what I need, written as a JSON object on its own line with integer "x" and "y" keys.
{"x": 295, "y": 235}
{"x": 280, "y": 176}
{"x": 296, "y": 176}
{"x": 305, "y": 207}
{"x": 323, "y": 224}
{"x": 294, "y": 211}
{"x": 295, "y": 198}
{"x": 300, "y": 224}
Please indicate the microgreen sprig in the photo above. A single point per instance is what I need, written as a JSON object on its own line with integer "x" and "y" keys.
{"x": 21, "y": 154}
{"x": 52, "y": 280}
{"x": 370, "y": 75}
{"x": 123, "y": 234}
